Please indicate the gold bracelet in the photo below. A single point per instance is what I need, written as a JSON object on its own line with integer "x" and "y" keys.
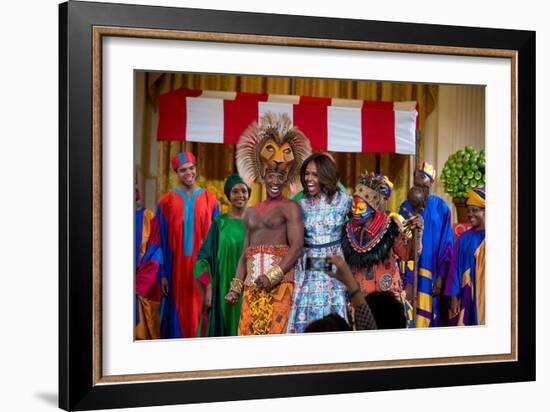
{"x": 236, "y": 286}
{"x": 274, "y": 274}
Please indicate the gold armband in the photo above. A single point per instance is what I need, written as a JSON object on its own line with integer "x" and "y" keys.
{"x": 236, "y": 286}
{"x": 274, "y": 274}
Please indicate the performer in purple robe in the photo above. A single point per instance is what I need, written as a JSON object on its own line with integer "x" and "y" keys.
{"x": 437, "y": 248}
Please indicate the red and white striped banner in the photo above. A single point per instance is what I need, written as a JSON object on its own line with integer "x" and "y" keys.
{"x": 339, "y": 125}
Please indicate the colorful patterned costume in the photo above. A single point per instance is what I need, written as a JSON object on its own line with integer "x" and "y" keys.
{"x": 435, "y": 259}
{"x": 219, "y": 256}
{"x": 373, "y": 241}
{"x": 316, "y": 294}
{"x": 148, "y": 258}
{"x": 184, "y": 222}
{"x": 265, "y": 312}
{"x": 376, "y": 268}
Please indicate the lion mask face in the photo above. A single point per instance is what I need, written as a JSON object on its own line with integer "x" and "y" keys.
{"x": 271, "y": 145}
{"x": 276, "y": 157}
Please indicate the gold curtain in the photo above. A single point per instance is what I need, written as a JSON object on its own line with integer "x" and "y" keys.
{"x": 216, "y": 161}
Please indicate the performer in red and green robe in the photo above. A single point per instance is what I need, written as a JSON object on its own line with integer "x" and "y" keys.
{"x": 184, "y": 216}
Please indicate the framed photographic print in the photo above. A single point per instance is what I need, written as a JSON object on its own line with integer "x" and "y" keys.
{"x": 158, "y": 103}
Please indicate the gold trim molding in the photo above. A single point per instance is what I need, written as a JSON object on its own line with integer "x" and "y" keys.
{"x": 101, "y": 31}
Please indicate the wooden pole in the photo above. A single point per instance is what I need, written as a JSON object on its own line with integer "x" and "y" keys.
{"x": 415, "y": 237}
{"x": 160, "y": 169}
{"x": 415, "y": 276}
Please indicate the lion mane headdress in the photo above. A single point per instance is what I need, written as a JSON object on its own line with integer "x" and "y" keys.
{"x": 272, "y": 145}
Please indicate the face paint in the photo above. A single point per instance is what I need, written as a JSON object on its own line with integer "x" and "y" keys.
{"x": 361, "y": 209}
{"x": 367, "y": 213}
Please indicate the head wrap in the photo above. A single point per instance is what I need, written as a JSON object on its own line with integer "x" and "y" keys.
{"x": 181, "y": 158}
{"x": 232, "y": 181}
{"x": 476, "y": 197}
{"x": 272, "y": 144}
{"x": 428, "y": 170}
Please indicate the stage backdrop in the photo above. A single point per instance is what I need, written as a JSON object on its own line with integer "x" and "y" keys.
{"x": 216, "y": 161}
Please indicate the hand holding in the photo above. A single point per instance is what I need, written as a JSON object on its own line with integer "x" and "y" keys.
{"x": 455, "y": 305}
{"x": 263, "y": 282}
{"x": 415, "y": 222}
{"x": 165, "y": 289}
{"x": 343, "y": 272}
{"x": 437, "y": 286}
{"x": 231, "y": 298}
{"x": 208, "y": 296}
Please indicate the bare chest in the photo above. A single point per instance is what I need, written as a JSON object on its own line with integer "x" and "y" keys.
{"x": 273, "y": 220}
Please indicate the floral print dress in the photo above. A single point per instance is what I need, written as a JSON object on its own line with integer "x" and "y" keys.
{"x": 315, "y": 293}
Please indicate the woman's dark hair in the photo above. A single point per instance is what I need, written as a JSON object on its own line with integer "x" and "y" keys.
{"x": 330, "y": 323}
{"x": 327, "y": 171}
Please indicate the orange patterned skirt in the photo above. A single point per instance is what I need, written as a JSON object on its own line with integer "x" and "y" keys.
{"x": 265, "y": 312}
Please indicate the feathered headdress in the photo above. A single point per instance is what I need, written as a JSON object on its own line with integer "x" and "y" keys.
{"x": 371, "y": 187}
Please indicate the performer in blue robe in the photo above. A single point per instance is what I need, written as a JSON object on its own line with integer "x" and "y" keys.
{"x": 437, "y": 248}
{"x": 466, "y": 281}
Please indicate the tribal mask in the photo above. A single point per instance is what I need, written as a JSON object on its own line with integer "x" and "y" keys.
{"x": 367, "y": 197}
{"x": 273, "y": 145}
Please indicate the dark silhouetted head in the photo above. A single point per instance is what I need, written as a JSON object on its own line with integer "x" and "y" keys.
{"x": 388, "y": 311}
{"x": 330, "y": 323}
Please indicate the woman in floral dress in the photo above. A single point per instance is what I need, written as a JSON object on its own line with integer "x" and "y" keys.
{"x": 324, "y": 207}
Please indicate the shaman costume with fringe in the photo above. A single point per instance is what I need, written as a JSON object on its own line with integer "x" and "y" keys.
{"x": 372, "y": 241}
{"x": 273, "y": 145}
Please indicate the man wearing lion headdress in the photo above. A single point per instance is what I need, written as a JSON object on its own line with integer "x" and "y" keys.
{"x": 271, "y": 152}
